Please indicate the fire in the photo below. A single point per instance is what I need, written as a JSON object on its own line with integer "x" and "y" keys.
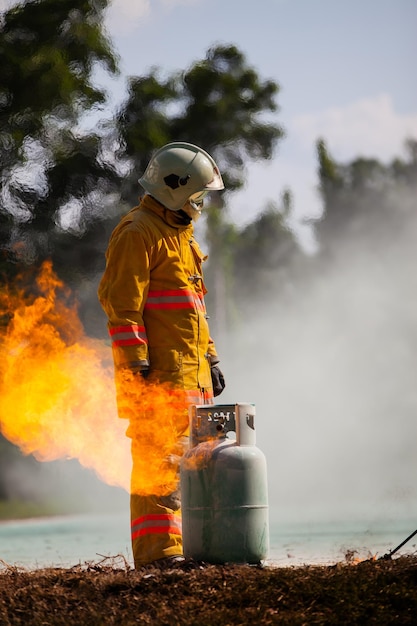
{"x": 58, "y": 397}
{"x": 352, "y": 559}
{"x": 199, "y": 457}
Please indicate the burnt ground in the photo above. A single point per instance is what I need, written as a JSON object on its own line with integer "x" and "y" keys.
{"x": 379, "y": 592}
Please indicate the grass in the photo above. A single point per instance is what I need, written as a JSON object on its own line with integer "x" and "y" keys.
{"x": 23, "y": 509}
{"x": 378, "y": 592}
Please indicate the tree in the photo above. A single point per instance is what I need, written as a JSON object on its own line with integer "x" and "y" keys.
{"x": 142, "y": 124}
{"x": 48, "y": 51}
{"x": 219, "y": 103}
{"x": 265, "y": 258}
{"x": 364, "y": 197}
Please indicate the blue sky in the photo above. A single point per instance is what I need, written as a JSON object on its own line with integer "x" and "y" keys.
{"x": 345, "y": 70}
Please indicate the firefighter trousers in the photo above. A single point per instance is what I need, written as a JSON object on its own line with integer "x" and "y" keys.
{"x": 156, "y": 519}
{"x": 155, "y": 528}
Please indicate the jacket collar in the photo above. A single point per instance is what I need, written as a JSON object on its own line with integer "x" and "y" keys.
{"x": 173, "y": 218}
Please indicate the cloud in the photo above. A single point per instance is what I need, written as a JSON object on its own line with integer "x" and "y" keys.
{"x": 7, "y": 4}
{"x": 124, "y": 16}
{"x": 368, "y": 127}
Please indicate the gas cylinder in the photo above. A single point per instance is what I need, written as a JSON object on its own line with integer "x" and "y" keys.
{"x": 224, "y": 493}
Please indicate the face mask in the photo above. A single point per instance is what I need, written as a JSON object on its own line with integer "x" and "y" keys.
{"x": 193, "y": 210}
{"x": 194, "y": 205}
{"x": 197, "y": 199}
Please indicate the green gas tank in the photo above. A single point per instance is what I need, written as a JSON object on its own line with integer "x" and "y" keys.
{"x": 224, "y": 491}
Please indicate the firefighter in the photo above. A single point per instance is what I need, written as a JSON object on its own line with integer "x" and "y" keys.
{"x": 152, "y": 292}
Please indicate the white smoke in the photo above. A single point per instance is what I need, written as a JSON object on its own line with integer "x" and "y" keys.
{"x": 333, "y": 378}
{"x": 7, "y": 4}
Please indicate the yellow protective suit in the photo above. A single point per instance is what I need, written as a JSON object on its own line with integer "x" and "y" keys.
{"x": 152, "y": 292}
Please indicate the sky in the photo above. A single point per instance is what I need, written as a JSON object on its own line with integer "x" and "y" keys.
{"x": 346, "y": 74}
{"x": 345, "y": 71}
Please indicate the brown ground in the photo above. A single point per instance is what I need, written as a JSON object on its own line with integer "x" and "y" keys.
{"x": 371, "y": 592}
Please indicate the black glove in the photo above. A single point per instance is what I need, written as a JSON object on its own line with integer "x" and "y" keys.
{"x": 217, "y": 380}
{"x": 143, "y": 373}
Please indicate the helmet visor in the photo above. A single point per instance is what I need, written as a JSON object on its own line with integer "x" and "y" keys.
{"x": 198, "y": 198}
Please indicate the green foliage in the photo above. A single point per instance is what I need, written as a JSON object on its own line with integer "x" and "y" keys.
{"x": 364, "y": 196}
{"x": 405, "y": 172}
{"x": 330, "y": 179}
{"x": 264, "y": 255}
{"x": 142, "y": 124}
{"x": 262, "y": 243}
{"x": 24, "y": 509}
{"x": 218, "y": 104}
{"x": 225, "y": 92}
{"x": 48, "y": 51}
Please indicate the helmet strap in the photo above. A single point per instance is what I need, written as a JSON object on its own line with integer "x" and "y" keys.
{"x": 185, "y": 218}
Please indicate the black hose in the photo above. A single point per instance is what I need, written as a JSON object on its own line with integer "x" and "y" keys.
{"x": 389, "y": 554}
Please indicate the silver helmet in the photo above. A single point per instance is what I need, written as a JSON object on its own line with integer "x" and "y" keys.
{"x": 180, "y": 172}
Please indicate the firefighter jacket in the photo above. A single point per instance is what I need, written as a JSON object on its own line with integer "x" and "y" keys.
{"x": 152, "y": 292}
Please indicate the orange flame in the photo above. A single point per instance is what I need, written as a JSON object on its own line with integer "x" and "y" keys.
{"x": 57, "y": 391}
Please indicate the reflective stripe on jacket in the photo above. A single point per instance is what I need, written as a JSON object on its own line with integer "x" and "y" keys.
{"x": 152, "y": 292}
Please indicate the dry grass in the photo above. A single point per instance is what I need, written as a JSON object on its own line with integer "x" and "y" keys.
{"x": 372, "y": 592}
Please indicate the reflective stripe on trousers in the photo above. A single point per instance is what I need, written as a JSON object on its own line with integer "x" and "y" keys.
{"x": 156, "y": 529}
{"x": 154, "y": 524}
